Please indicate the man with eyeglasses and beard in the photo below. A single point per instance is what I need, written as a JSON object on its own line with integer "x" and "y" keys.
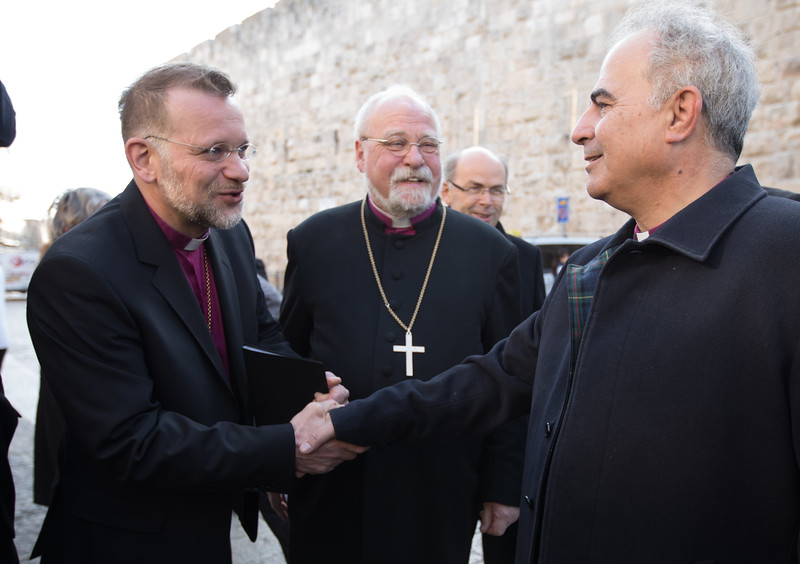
{"x": 383, "y": 290}
{"x": 138, "y": 316}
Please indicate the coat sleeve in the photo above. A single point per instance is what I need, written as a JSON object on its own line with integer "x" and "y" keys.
{"x": 470, "y": 398}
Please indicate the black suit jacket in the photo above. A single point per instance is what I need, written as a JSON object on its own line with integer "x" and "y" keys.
{"x": 158, "y": 445}
{"x": 530, "y": 272}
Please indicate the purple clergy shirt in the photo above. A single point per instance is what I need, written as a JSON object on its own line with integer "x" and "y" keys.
{"x": 190, "y": 253}
{"x": 402, "y": 230}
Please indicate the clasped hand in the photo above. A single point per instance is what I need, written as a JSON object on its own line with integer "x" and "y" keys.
{"x": 313, "y": 426}
{"x": 496, "y": 517}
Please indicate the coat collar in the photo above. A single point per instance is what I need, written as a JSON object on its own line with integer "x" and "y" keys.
{"x": 695, "y": 229}
{"x": 431, "y": 220}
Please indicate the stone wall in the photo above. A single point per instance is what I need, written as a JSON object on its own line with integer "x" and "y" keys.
{"x": 512, "y": 75}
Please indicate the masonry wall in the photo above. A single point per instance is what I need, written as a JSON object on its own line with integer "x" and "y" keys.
{"x": 512, "y": 75}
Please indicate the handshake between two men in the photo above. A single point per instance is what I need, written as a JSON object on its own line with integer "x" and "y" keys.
{"x": 312, "y": 426}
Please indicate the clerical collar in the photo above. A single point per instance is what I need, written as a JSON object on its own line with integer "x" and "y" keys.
{"x": 194, "y": 244}
{"x": 405, "y": 226}
{"x": 642, "y": 235}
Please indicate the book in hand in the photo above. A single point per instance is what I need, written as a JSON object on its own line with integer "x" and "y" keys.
{"x": 280, "y": 385}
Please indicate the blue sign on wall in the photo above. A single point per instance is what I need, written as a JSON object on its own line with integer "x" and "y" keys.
{"x": 562, "y": 210}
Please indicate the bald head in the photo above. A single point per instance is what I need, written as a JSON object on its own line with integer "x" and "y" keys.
{"x": 475, "y": 183}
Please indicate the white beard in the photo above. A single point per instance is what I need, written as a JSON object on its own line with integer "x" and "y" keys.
{"x": 405, "y": 202}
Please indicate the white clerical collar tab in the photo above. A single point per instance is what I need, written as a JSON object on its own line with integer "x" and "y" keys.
{"x": 194, "y": 244}
{"x": 642, "y": 235}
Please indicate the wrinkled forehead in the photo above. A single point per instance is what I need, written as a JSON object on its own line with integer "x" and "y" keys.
{"x": 195, "y": 110}
{"x": 401, "y": 116}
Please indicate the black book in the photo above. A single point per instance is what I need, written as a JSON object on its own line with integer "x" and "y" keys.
{"x": 281, "y": 385}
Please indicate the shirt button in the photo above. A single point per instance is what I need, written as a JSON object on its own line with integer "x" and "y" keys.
{"x": 387, "y": 371}
{"x": 391, "y": 336}
{"x": 397, "y": 274}
{"x": 400, "y": 244}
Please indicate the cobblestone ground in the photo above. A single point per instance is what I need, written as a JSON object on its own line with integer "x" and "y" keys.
{"x": 21, "y": 381}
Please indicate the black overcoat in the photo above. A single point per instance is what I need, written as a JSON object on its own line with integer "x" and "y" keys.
{"x": 675, "y": 437}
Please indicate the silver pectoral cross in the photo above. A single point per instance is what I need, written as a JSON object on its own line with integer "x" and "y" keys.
{"x": 409, "y": 349}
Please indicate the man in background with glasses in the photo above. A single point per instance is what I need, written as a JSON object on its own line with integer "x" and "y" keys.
{"x": 476, "y": 183}
{"x": 138, "y": 316}
{"x": 387, "y": 289}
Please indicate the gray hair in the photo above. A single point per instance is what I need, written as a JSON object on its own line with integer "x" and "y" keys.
{"x": 395, "y": 91}
{"x": 695, "y": 46}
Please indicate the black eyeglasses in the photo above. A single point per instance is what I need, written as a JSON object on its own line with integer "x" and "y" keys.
{"x": 495, "y": 192}
{"x": 218, "y": 152}
{"x": 400, "y": 146}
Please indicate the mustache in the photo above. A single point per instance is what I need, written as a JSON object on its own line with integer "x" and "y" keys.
{"x": 220, "y": 188}
{"x": 406, "y": 174}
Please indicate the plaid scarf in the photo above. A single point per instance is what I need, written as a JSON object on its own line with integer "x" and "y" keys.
{"x": 581, "y": 282}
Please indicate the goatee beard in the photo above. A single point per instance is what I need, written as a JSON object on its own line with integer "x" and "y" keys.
{"x": 204, "y": 213}
{"x": 405, "y": 202}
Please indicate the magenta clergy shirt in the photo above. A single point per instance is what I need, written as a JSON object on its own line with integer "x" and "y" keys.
{"x": 189, "y": 252}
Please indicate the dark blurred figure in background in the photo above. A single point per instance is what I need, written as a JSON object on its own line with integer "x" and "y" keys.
{"x": 8, "y": 131}
{"x": 271, "y": 293}
{"x": 69, "y": 209}
{"x": 8, "y": 415}
{"x": 8, "y": 118}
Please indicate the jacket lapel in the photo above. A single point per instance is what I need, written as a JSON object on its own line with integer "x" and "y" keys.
{"x": 153, "y": 248}
{"x": 227, "y": 293}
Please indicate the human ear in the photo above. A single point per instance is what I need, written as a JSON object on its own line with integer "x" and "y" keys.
{"x": 141, "y": 158}
{"x": 360, "y": 155}
{"x": 445, "y": 193}
{"x": 685, "y": 107}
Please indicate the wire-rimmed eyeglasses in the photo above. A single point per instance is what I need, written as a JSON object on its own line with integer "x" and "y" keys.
{"x": 218, "y": 152}
{"x": 400, "y": 146}
{"x": 495, "y": 192}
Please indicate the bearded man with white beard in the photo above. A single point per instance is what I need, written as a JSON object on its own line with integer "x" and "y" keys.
{"x": 385, "y": 289}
